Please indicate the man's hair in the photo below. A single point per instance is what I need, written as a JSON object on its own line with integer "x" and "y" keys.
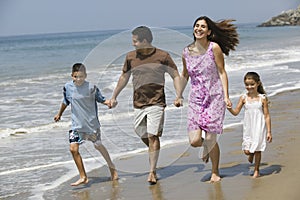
{"x": 79, "y": 67}
{"x": 143, "y": 32}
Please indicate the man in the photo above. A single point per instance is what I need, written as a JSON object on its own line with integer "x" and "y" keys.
{"x": 148, "y": 66}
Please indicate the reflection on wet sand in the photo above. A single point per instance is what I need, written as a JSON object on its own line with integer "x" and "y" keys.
{"x": 156, "y": 191}
{"x": 216, "y": 192}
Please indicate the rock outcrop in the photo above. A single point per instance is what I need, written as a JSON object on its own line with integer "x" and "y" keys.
{"x": 286, "y": 18}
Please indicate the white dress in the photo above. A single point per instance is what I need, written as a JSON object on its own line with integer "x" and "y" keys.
{"x": 254, "y": 128}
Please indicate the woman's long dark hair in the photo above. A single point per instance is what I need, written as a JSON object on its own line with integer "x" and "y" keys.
{"x": 223, "y": 32}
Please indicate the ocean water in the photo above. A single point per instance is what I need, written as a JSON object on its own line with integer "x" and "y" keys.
{"x": 34, "y": 152}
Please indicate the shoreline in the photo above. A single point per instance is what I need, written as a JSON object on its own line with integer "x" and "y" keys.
{"x": 182, "y": 175}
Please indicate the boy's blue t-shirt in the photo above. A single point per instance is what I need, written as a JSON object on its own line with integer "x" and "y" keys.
{"x": 84, "y": 110}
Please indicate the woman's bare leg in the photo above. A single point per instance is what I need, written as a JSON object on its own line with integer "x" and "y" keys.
{"x": 214, "y": 154}
{"x": 195, "y": 138}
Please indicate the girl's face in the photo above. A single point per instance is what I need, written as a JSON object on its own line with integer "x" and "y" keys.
{"x": 201, "y": 29}
{"x": 251, "y": 85}
{"x": 78, "y": 78}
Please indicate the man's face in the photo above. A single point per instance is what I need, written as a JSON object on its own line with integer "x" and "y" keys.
{"x": 136, "y": 43}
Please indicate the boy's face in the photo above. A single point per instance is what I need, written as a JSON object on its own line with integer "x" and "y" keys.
{"x": 78, "y": 78}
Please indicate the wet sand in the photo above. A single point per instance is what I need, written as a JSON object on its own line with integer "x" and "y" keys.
{"x": 182, "y": 175}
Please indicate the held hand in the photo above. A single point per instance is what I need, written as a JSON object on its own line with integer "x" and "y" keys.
{"x": 178, "y": 102}
{"x": 228, "y": 103}
{"x": 113, "y": 103}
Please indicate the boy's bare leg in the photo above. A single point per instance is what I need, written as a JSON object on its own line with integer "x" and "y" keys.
{"x": 257, "y": 156}
{"x": 154, "y": 148}
{"x": 74, "y": 148}
{"x": 101, "y": 148}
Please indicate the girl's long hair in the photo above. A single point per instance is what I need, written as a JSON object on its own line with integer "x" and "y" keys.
{"x": 256, "y": 78}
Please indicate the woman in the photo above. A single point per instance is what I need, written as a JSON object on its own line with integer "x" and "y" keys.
{"x": 203, "y": 62}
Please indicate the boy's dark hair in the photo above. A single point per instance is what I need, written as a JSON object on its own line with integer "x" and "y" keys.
{"x": 143, "y": 32}
{"x": 79, "y": 67}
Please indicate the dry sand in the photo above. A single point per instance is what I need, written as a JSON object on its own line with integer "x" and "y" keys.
{"x": 182, "y": 175}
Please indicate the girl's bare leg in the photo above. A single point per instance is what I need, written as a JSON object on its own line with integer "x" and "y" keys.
{"x": 250, "y": 155}
{"x": 257, "y": 156}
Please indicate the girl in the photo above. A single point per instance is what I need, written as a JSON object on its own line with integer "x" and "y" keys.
{"x": 257, "y": 121}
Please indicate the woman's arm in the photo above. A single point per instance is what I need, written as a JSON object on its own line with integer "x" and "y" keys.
{"x": 219, "y": 59}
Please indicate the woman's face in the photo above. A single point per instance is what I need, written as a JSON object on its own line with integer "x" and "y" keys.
{"x": 201, "y": 29}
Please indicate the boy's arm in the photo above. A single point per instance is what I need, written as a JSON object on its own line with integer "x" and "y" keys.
{"x": 107, "y": 103}
{"x": 60, "y": 112}
{"x": 238, "y": 108}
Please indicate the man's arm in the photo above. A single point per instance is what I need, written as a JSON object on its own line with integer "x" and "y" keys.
{"x": 123, "y": 80}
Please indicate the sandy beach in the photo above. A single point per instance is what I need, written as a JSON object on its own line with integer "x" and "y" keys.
{"x": 182, "y": 175}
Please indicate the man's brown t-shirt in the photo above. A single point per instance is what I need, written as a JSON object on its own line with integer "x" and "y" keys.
{"x": 148, "y": 76}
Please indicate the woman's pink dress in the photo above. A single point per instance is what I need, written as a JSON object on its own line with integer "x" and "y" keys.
{"x": 206, "y": 100}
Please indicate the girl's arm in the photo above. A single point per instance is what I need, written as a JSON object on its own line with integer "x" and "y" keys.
{"x": 267, "y": 119}
{"x": 219, "y": 59}
{"x": 238, "y": 108}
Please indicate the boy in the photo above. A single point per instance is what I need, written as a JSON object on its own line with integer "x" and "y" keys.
{"x": 82, "y": 96}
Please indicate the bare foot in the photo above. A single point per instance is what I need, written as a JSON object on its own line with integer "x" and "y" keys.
{"x": 250, "y": 157}
{"x": 114, "y": 174}
{"x": 256, "y": 174}
{"x": 215, "y": 178}
{"x": 80, "y": 181}
{"x": 152, "y": 178}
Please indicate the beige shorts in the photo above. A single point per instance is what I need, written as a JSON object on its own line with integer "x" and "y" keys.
{"x": 149, "y": 120}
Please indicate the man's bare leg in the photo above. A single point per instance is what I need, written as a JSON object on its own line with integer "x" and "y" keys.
{"x": 154, "y": 148}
